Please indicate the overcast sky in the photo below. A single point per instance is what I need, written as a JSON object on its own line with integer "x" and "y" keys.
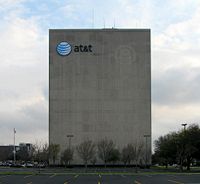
{"x": 24, "y": 24}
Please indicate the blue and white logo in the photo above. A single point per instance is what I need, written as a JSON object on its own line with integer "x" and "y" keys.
{"x": 64, "y": 48}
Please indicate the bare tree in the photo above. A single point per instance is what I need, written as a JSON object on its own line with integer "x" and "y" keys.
{"x": 137, "y": 153}
{"x": 45, "y": 153}
{"x": 105, "y": 148}
{"x": 67, "y": 156}
{"x": 86, "y": 151}
{"x": 93, "y": 160}
{"x": 53, "y": 151}
{"x": 127, "y": 154}
{"x": 114, "y": 156}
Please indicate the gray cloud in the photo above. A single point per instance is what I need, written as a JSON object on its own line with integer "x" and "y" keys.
{"x": 177, "y": 86}
{"x": 37, "y": 112}
{"x": 24, "y": 58}
{"x": 6, "y": 93}
{"x": 45, "y": 91}
{"x": 29, "y": 128}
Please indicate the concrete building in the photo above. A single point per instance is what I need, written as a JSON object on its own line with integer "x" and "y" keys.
{"x": 100, "y": 87}
{"x": 22, "y": 150}
{"x": 6, "y": 152}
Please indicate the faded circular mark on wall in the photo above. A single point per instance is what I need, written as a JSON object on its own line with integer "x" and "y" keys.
{"x": 125, "y": 54}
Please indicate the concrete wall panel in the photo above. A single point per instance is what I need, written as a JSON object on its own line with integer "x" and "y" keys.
{"x": 103, "y": 93}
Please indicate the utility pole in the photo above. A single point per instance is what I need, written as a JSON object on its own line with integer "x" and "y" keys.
{"x": 14, "y": 151}
{"x": 146, "y": 136}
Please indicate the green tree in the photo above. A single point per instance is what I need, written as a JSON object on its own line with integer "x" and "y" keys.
{"x": 192, "y": 144}
{"x": 180, "y": 147}
{"x": 166, "y": 149}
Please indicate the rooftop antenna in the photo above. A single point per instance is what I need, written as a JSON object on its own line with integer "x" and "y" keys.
{"x": 140, "y": 24}
{"x": 104, "y": 23}
{"x": 93, "y": 18}
{"x": 114, "y": 24}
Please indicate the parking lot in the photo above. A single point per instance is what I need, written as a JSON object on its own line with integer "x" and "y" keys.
{"x": 101, "y": 179}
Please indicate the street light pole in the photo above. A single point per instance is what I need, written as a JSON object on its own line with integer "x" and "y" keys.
{"x": 146, "y": 136}
{"x": 183, "y": 145}
{"x": 70, "y": 137}
{"x": 14, "y": 151}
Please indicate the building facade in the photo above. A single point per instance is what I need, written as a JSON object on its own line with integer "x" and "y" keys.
{"x": 23, "y": 152}
{"x": 100, "y": 87}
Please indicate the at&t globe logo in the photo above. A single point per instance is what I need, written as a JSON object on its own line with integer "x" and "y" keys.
{"x": 64, "y": 48}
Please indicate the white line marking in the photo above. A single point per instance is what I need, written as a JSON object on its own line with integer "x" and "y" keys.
{"x": 137, "y": 182}
{"x": 28, "y": 176}
{"x": 177, "y": 182}
{"x": 4, "y": 176}
{"x": 52, "y": 176}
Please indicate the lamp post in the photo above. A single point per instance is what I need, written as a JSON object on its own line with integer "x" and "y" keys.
{"x": 183, "y": 144}
{"x": 14, "y": 151}
{"x": 146, "y": 136}
{"x": 70, "y": 136}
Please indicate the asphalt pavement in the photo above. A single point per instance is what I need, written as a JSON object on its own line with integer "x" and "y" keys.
{"x": 55, "y": 178}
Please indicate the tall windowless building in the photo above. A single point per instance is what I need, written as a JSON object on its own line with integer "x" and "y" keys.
{"x": 100, "y": 87}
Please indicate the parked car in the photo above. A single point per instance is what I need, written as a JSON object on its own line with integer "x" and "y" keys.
{"x": 41, "y": 165}
{"x": 29, "y": 165}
